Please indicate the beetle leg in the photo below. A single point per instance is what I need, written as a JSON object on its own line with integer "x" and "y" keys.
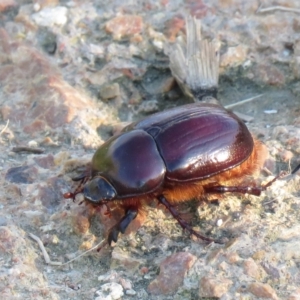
{"x": 83, "y": 179}
{"x": 122, "y": 225}
{"x": 70, "y": 195}
{"x": 181, "y": 222}
{"x": 108, "y": 210}
{"x": 252, "y": 190}
{"x": 220, "y": 189}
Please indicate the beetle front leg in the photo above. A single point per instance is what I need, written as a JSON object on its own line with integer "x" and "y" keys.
{"x": 79, "y": 189}
{"x": 72, "y": 195}
{"x": 181, "y": 222}
{"x": 122, "y": 225}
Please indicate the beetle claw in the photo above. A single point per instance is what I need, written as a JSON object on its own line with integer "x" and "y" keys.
{"x": 122, "y": 225}
{"x": 68, "y": 195}
{"x": 113, "y": 235}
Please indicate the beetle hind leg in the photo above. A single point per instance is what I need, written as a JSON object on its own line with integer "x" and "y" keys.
{"x": 181, "y": 222}
{"x": 122, "y": 225}
{"x": 247, "y": 189}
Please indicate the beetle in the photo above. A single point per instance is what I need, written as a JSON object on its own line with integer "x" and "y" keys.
{"x": 174, "y": 156}
{"x": 188, "y": 152}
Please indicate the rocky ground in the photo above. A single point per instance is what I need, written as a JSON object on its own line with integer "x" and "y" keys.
{"x": 72, "y": 73}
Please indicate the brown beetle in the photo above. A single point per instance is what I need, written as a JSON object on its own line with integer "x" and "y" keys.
{"x": 180, "y": 154}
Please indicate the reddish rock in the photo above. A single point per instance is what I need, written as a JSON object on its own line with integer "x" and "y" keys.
{"x": 173, "y": 27}
{"x": 45, "y": 3}
{"x": 234, "y": 56}
{"x": 172, "y": 272}
{"x": 46, "y": 162}
{"x": 144, "y": 270}
{"x": 213, "y": 287}
{"x": 251, "y": 268}
{"x": 269, "y": 74}
{"x": 6, "y": 4}
{"x": 38, "y": 97}
{"x": 262, "y": 290}
{"x": 233, "y": 258}
{"x": 126, "y": 25}
{"x": 295, "y": 295}
{"x": 197, "y": 8}
{"x": 80, "y": 220}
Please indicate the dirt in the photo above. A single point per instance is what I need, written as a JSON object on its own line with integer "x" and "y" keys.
{"x": 68, "y": 81}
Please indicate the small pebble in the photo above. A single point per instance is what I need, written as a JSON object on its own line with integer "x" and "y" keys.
{"x": 219, "y": 222}
{"x": 270, "y": 111}
{"x": 51, "y": 16}
{"x": 262, "y": 290}
{"x": 130, "y": 292}
{"x": 110, "y": 291}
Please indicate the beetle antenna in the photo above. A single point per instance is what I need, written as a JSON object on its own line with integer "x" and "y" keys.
{"x": 195, "y": 62}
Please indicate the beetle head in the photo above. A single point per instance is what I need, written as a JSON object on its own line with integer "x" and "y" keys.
{"x": 98, "y": 190}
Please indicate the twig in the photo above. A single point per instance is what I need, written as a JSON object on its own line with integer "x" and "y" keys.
{"x": 268, "y": 202}
{"x": 277, "y": 7}
{"x": 242, "y": 101}
{"x": 44, "y": 251}
{"x": 243, "y": 117}
{"x": 58, "y": 263}
{"x": 27, "y": 149}
{"x": 87, "y": 251}
{"x": 4, "y": 127}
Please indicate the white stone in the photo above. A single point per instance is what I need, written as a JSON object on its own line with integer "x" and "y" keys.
{"x": 110, "y": 291}
{"x": 50, "y": 16}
